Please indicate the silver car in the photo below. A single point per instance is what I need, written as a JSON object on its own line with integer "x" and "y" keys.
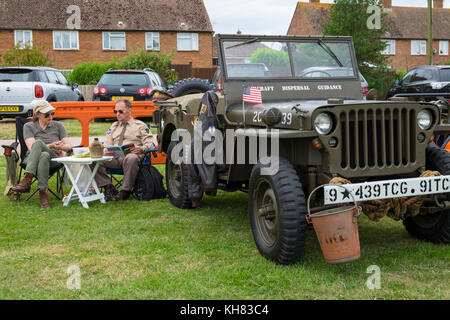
{"x": 20, "y": 86}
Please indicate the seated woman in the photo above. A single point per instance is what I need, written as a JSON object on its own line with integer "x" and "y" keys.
{"x": 44, "y": 139}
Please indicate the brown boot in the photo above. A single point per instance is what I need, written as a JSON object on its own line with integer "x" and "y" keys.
{"x": 43, "y": 196}
{"x": 195, "y": 202}
{"x": 124, "y": 195}
{"x": 111, "y": 193}
{"x": 25, "y": 184}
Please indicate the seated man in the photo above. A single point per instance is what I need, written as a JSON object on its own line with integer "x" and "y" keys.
{"x": 124, "y": 131}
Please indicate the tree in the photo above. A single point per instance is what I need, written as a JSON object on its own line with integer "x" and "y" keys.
{"x": 24, "y": 54}
{"x": 270, "y": 57}
{"x": 363, "y": 20}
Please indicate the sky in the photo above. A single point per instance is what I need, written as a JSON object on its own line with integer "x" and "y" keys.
{"x": 266, "y": 16}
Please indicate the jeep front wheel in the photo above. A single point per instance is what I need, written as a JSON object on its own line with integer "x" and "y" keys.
{"x": 433, "y": 227}
{"x": 277, "y": 213}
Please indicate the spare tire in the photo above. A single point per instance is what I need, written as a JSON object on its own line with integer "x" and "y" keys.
{"x": 190, "y": 86}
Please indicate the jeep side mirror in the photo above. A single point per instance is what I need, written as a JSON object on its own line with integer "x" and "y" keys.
{"x": 74, "y": 86}
{"x": 397, "y": 82}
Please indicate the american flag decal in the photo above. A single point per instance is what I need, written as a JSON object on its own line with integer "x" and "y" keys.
{"x": 251, "y": 94}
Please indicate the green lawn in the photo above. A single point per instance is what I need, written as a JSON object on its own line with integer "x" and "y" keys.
{"x": 152, "y": 250}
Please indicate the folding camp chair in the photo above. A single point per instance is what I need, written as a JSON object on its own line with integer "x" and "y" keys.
{"x": 59, "y": 192}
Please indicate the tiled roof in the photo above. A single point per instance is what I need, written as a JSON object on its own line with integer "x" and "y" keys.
{"x": 137, "y": 15}
{"x": 401, "y": 22}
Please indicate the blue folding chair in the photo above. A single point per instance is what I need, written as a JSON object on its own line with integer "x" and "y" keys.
{"x": 112, "y": 172}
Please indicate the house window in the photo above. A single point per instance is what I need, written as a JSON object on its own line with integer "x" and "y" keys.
{"x": 443, "y": 48}
{"x": 23, "y": 36}
{"x": 114, "y": 41}
{"x": 152, "y": 41}
{"x": 65, "y": 40}
{"x": 390, "y": 47}
{"x": 187, "y": 41}
{"x": 418, "y": 47}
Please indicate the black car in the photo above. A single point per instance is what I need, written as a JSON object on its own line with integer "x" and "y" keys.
{"x": 423, "y": 83}
{"x": 134, "y": 85}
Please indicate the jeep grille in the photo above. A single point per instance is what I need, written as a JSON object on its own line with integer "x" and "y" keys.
{"x": 378, "y": 138}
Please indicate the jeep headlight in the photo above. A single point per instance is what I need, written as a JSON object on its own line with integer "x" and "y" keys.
{"x": 323, "y": 123}
{"x": 424, "y": 119}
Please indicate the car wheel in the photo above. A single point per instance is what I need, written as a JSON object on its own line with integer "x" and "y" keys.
{"x": 433, "y": 227}
{"x": 277, "y": 213}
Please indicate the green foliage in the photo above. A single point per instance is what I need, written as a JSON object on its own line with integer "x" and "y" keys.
{"x": 350, "y": 18}
{"x": 447, "y": 63}
{"x": 270, "y": 57}
{"x": 90, "y": 72}
{"x": 399, "y": 75}
{"x": 24, "y": 54}
{"x": 159, "y": 62}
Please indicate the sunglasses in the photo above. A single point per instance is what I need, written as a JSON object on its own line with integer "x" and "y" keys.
{"x": 46, "y": 115}
{"x": 119, "y": 111}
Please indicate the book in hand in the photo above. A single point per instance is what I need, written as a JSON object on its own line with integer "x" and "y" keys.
{"x": 120, "y": 151}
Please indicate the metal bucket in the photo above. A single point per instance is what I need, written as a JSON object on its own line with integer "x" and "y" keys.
{"x": 337, "y": 231}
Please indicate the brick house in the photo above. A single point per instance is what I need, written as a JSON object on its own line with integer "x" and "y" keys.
{"x": 77, "y": 31}
{"x": 407, "y": 31}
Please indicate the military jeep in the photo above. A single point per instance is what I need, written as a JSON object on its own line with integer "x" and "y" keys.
{"x": 313, "y": 108}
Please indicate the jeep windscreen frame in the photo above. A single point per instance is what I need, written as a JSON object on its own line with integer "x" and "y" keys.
{"x": 263, "y": 58}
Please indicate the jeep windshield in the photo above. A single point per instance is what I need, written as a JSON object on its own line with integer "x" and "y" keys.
{"x": 260, "y": 58}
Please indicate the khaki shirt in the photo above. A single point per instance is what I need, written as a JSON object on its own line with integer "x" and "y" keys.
{"x": 136, "y": 132}
{"x": 55, "y": 131}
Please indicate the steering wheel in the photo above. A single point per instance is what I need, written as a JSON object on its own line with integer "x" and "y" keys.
{"x": 318, "y": 71}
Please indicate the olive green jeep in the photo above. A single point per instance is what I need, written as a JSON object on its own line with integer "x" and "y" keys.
{"x": 292, "y": 116}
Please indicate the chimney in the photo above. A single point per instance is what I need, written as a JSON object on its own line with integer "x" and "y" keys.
{"x": 317, "y": 1}
{"x": 438, "y": 4}
{"x": 387, "y": 4}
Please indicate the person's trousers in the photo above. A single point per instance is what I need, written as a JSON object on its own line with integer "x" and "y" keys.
{"x": 38, "y": 162}
{"x": 129, "y": 164}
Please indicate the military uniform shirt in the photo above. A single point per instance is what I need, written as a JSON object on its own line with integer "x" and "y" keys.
{"x": 136, "y": 132}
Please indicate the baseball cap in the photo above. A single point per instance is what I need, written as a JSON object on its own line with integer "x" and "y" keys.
{"x": 42, "y": 106}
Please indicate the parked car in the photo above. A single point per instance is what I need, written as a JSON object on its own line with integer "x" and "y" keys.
{"x": 424, "y": 83}
{"x": 320, "y": 72}
{"x": 19, "y": 86}
{"x": 134, "y": 85}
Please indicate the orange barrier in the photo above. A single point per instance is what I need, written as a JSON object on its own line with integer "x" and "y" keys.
{"x": 86, "y": 111}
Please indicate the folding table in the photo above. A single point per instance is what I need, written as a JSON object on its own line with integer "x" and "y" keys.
{"x": 75, "y": 192}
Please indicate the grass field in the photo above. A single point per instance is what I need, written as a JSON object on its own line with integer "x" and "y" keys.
{"x": 152, "y": 250}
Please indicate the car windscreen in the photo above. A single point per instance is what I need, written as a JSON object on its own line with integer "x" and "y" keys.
{"x": 21, "y": 75}
{"x": 255, "y": 58}
{"x": 445, "y": 75}
{"x": 123, "y": 79}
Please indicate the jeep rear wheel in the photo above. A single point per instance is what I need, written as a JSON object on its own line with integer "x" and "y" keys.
{"x": 277, "y": 213}
{"x": 433, "y": 227}
{"x": 177, "y": 181}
